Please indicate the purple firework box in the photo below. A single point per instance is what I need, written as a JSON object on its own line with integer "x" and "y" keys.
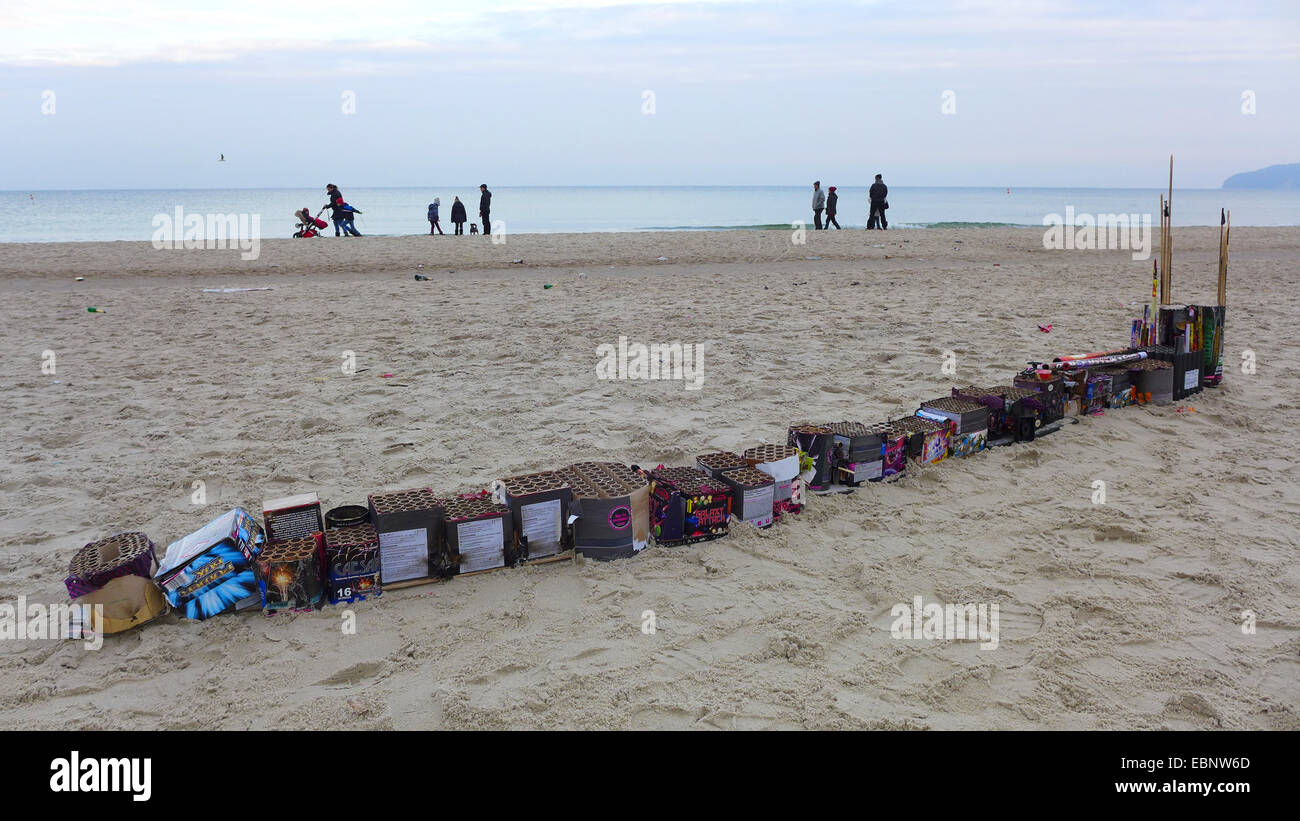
{"x": 98, "y": 563}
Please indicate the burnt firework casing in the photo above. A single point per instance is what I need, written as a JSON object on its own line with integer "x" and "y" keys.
{"x": 687, "y": 505}
{"x": 752, "y": 495}
{"x": 290, "y": 573}
{"x": 412, "y": 538}
{"x": 539, "y": 507}
{"x": 612, "y": 505}
{"x": 479, "y": 533}
{"x": 292, "y": 517}
{"x": 352, "y": 563}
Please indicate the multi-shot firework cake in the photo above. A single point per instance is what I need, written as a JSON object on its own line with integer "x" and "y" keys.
{"x": 856, "y": 451}
{"x": 291, "y": 573}
{"x": 687, "y": 505}
{"x": 1092, "y": 386}
{"x": 816, "y": 441}
{"x": 352, "y": 563}
{"x": 752, "y": 495}
{"x": 98, "y": 563}
{"x": 1121, "y": 385}
{"x": 612, "y": 504}
{"x": 412, "y": 539}
{"x": 210, "y": 571}
{"x": 715, "y": 463}
{"x": 893, "y": 449}
{"x": 480, "y": 533}
{"x": 969, "y": 422}
{"x": 539, "y": 507}
{"x": 1187, "y": 365}
{"x": 293, "y": 517}
{"x": 1013, "y": 412}
{"x": 1153, "y": 381}
{"x": 1052, "y": 387}
{"x": 782, "y": 463}
{"x": 927, "y": 439}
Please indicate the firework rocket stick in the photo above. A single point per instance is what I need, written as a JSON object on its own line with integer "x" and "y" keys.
{"x": 1151, "y": 324}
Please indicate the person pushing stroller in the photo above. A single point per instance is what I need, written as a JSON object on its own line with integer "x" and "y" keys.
{"x": 340, "y": 212}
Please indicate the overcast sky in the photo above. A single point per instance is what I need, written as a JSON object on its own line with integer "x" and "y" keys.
{"x": 554, "y": 92}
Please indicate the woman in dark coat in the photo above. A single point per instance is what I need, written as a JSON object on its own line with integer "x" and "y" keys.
{"x": 458, "y": 215}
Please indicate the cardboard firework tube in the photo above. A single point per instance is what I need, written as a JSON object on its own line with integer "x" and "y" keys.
{"x": 610, "y": 511}
{"x": 752, "y": 494}
{"x": 98, "y": 563}
{"x": 412, "y": 538}
{"x": 539, "y": 506}
{"x": 291, "y": 573}
{"x": 687, "y": 505}
{"x": 781, "y": 462}
{"x": 480, "y": 534}
{"x": 352, "y": 563}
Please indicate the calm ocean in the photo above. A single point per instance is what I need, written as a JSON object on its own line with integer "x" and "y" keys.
{"x": 63, "y": 216}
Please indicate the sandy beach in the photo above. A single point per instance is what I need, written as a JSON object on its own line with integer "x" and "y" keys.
{"x": 1123, "y": 615}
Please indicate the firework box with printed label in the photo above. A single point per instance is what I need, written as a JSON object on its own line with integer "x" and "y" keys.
{"x": 352, "y": 563}
{"x": 480, "y": 533}
{"x": 293, "y": 517}
{"x": 687, "y": 505}
{"x": 893, "y": 450}
{"x": 610, "y": 511}
{"x": 857, "y": 452}
{"x": 782, "y": 463}
{"x": 927, "y": 439}
{"x": 1013, "y": 412}
{"x": 1052, "y": 388}
{"x": 752, "y": 495}
{"x": 412, "y": 538}
{"x": 291, "y": 573}
{"x": 210, "y": 571}
{"x": 969, "y": 420}
{"x": 539, "y": 508}
{"x": 1121, "y": 386}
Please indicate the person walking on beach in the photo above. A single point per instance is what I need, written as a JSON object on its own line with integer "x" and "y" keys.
{"x": 879, "y": 194}
{"x": 485, "y": 208}
{"x": 819, "y": 202}
{"x": 340, "y": 213}
{"x": 458, "y": 215}
{"x": 433, "y": 216}
{"x": 832, "y": 200}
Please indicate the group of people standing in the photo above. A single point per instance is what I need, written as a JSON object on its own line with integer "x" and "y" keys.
{"x": 458, "y": 218}
{"x": 828, "y": 201}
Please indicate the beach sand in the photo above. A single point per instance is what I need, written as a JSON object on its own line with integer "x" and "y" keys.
{"x": 1119, "y": 615}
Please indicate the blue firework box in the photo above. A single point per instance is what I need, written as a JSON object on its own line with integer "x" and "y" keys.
{"x": 210, "y": 571}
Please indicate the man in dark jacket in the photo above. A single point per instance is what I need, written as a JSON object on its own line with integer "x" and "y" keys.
{"x": 879, "y": 193}
{"x": 485, "y": 208}
{"x": 832, "y": 202}
{"x": 818, "y": 203}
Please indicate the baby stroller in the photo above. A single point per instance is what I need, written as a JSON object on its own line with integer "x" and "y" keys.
{"x": 308, "y": 226}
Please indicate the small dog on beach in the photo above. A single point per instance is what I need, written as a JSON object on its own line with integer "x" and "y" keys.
{"x": 473, "y": 229}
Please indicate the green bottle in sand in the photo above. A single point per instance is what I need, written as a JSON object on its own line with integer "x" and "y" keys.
{"x": 93, "y": 310}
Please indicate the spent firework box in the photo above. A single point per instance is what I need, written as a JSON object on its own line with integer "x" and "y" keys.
{"x": 352, "y": 563}
{"x": 291, "y": 573}
{"x": 292, "y": 517}
{"x": 610, "y": 511}
{"x": 480, "y": 533}
{"x": 539, "y": 507}
{"x": 687, "y": 505}
{"x": 210, "y": 571}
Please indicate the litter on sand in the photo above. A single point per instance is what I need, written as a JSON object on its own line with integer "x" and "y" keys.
{"x": 234, "y": 290}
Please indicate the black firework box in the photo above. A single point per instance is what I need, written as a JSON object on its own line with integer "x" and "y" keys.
{"x": 1186, "y": 366}
{"x": 352, "y": 563}
{"x": 292, "y": 517}
{"x": 412, "y": 537}
{"x": 1121, "y": 385}
{"x": 715, "y": 463}
{"x": 927, "y": 439}
{"x": 611, "y": 503}
{"x": 1052, "y": 387}
{"x": 817, "y": 441}
{"x": 857, "y": 452}
{"x": 291, "y": 573}
{"x": 687, "y": 505}
{"x": 1153, "y": 381}
{"x": 539, "y": 508}
{"x": 752, "y": 495}
{"x": 785, "y": 465}
{"x": 480, "y": 533}
{"x": 1013, "y": 412}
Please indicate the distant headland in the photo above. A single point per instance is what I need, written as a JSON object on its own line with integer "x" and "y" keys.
{"x": 1273, "y": 177}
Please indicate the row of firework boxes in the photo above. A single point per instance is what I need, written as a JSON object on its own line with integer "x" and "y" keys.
{"x": 297, "y": 558}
